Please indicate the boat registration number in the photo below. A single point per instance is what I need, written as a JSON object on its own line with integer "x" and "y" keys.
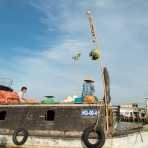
{"x": 90, "y": 112}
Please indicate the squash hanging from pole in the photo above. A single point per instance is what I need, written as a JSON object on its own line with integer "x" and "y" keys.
{"x": 95, "y": 54}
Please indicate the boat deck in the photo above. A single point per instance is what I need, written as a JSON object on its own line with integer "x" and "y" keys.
{"x": 49, "y": 105}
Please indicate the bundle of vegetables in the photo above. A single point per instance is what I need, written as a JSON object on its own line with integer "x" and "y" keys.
{"x": 78, "y": 100}
{"x": 49, "y": 100}
{"x": 90, "y": 99}
{"x": 69, "y": 99}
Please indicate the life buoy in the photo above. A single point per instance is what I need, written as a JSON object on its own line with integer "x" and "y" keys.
{"x": 23, "y": 133}
{"x": 100, "y": 137}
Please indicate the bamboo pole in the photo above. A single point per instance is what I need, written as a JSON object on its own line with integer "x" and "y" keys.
{"x": 94, "y": 40}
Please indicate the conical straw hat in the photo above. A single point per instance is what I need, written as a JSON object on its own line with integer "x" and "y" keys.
{"x": 89, "y": 78}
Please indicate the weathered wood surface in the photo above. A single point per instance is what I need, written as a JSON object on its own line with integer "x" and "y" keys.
{"x": 68, "y": 119}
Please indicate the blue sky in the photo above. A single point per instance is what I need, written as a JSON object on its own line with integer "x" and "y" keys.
{"x": 39, "y": 37}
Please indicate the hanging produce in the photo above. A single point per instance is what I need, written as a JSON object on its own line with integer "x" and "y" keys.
{"x": 92, "y": 26}
{"x": 77, "y": 56}
{"x": 95, "y": 54}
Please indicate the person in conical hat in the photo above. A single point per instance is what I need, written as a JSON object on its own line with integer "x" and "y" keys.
{"x": 88, "y": 87}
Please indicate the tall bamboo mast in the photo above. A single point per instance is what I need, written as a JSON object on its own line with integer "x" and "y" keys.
{"x": 95, "y": 41}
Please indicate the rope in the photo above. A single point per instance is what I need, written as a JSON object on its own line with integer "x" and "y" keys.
{"x": 22, "y": 122}
{"x": 139, "y": 133}
{"x": 76, "y": 76}
{"x": 105, "y": 101}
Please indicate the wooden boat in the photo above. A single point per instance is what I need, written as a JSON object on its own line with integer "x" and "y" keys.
{"x": 56, "y": 121}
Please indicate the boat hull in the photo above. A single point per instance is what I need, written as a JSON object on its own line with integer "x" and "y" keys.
{"x": 133, "y": 140}
{"x": 47, "y": 124}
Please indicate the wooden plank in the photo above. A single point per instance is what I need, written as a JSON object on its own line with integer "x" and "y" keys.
{"x": 47, "y": 105}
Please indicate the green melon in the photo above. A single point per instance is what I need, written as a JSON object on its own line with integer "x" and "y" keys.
{"x": 94, "y": 54}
